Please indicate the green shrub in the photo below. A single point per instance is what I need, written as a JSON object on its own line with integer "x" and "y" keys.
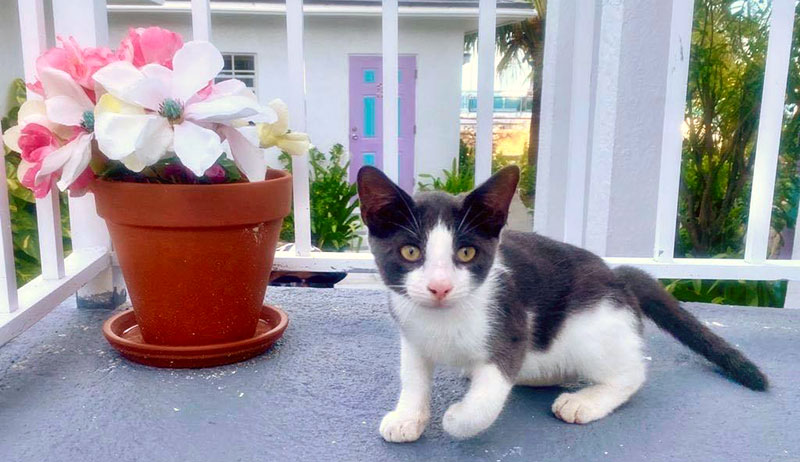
{"x": 460, "y": 178}
{"x": 746, "y": 293}
{"x": 334, "y": 223}
{"x": 22, "y": 204}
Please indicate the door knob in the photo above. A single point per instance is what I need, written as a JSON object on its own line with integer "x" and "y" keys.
{"x": 354, "y": 136}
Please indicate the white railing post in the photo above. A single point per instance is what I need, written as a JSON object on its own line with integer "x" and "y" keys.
{"x": 389, "y": 50}
{"x": 48, "y": 214}
{"x": 487, "y": 29}
{"x": 680, "y": 41}
{"x": 792, "y": 299}
{"x": 604, "y": 131}
{"x": 9, "y": 301}
{"x": 297, "y": 109}
{"x": 769, "y": 130}
{"x": 87, "y": 22}
{"x": 201, "y": 20}
{"x": 580, "y": 119}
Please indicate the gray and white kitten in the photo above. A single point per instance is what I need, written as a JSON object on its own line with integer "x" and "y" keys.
{"x": 512, "y": 308}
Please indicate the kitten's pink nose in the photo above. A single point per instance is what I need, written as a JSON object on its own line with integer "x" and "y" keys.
{"x": 440, "y": 288}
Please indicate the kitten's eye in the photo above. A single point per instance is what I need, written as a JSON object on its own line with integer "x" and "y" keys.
{"x": 410, "y": 252}
{"x": 465, "y": 254}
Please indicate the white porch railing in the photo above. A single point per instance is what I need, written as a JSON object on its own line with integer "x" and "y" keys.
{"x": 587, "y": 202}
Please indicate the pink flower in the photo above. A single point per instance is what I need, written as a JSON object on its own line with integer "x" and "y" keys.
{"x": 179, "y": 174}
{"x": 149, "y": 45}
{"x": 216, "y": 174}
{"x": 79, "y": 63}
{"x": 36, "y": 142}
{"x": 81, "y": 184}
{"x": 36, "y": 87}
{"x": 40, "y": 188}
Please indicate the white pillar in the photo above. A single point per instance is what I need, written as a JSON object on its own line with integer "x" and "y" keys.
{"x": 580, "y": 124}
{"x": 604, "y": 131}
{"x": 548, "y": 211}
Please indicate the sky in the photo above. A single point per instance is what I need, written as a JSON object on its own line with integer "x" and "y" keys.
{"x": 513, "y": 82}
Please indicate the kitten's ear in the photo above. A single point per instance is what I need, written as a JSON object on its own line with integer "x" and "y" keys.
{"x": 385, "y": 207}
{"x": 486, "y": 208}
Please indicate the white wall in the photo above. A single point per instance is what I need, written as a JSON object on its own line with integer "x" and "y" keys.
{"x": 438, "y": 44}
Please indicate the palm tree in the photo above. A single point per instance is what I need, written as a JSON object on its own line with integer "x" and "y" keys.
{"x": 523, "y": 42}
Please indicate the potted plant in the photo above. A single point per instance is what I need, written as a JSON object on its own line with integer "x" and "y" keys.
{"x": 175, "y": 163}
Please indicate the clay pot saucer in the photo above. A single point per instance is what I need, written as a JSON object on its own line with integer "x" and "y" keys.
{"x": 123, "y": 334}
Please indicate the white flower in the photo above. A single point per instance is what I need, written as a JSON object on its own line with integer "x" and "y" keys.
{"x": 31, "y": 111}
{"x": 68, "y": 105}
{"x": 153, "y": 110}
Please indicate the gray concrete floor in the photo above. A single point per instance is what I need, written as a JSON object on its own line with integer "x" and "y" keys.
{"x": 320, "y": 393}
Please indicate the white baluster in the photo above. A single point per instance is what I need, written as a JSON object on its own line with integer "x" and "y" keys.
{"x": 297, "y": 119}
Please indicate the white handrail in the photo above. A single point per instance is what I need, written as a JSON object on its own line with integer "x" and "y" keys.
{"x": 90, "y": 258}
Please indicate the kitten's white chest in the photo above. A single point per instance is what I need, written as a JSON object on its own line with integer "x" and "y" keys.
{"x": 454, "y": 336}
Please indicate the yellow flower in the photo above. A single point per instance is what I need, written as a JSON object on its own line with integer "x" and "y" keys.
{"x": 277, "y": 134}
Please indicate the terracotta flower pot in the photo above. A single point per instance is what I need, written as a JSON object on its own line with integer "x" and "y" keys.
{"x": 196, "y": 258}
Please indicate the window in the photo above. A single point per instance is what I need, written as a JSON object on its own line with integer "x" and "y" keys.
{"x": 239, "y": 66}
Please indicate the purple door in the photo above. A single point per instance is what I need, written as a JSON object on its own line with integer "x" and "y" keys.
{"x": 366, "y": 115}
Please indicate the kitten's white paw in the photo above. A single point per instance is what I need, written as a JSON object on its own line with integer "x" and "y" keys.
{"x": 461, "y": 422}
{"x": 577, "y": 408}
{"x": 403, "y": 427}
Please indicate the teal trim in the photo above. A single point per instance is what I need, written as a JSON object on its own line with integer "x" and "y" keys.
{"x": 399, "y": 116}
{"x": 369, "y": 75}
{"x": 369, "y": 158}
{"x": 369, "y": 117}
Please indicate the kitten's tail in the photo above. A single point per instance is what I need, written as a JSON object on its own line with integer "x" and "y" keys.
{"x": 667, "y": 313}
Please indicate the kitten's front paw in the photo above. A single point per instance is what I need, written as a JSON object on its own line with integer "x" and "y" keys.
{"x": 461, "y": 422}
{"x": 576, "y": 408}
{"x": 403, "y": 427}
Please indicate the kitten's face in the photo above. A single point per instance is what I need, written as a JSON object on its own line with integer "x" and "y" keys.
{"x": 435, "y": 249}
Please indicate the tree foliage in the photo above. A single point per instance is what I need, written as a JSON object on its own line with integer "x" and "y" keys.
{"x": 726, "y": 78}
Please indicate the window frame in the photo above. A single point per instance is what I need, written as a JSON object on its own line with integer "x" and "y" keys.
{"x": 233, "y": 73}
